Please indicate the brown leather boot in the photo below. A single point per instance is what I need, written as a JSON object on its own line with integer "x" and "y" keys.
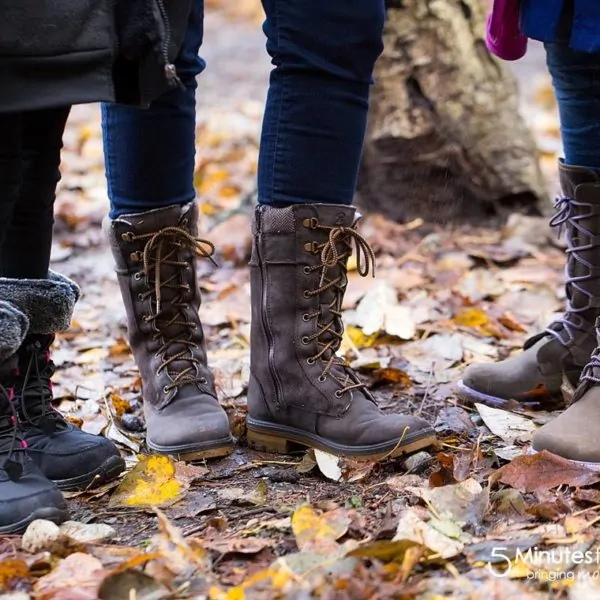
{"x": 300, "y": 392}
{"x": 155, "y": 253}
{"x": 536, "y": 375}
{"x": 574, "y": 433}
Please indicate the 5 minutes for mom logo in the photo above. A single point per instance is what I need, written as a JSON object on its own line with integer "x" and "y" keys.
{"x": 552, "y": 564}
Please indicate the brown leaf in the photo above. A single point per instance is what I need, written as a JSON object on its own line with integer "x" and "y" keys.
{"x": 238, "y": 545}
{"x": 544, "y": 471}
{"x": 76, "y": 577}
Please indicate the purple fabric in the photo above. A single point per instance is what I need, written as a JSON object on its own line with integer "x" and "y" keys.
{"x": 504, "y": 38}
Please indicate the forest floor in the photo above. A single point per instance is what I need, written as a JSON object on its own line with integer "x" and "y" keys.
{"x": 474, "y": 517}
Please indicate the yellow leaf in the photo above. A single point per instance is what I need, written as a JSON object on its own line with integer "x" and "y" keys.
{"x": 318, "y": 532}
{"x": 359, "y": 339}
{"x": 151, "y": 482}
{"x": 471, "y": 317}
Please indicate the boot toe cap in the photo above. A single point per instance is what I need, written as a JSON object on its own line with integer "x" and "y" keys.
{"x": 187, "y": 425}
{"x": 74, "y": 458}
{"x": 571, "y": 435}
{"x": 30, "y": 497}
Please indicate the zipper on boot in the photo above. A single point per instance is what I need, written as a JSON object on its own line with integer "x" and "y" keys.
{"x": 265, "y": 323}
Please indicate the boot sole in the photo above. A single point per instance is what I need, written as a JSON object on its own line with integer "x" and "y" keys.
{"x": 281, "y": 439}
{"x": 195, "y": 452}
{"x": 469, "y": 396}
{"x": 56, "y": 515}
{"x": 110, "y": 469}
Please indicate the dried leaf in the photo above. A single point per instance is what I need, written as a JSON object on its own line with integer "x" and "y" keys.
{"x": 329, "y": 464}
{"x": 412, "y": 527}
{"x": 77, "y": 577}
{"x": 463, "y": 503}
{"x": 238, "y": 545}
{"x": 544, "y": 471}
{"x": 318, "y": 532}
{"x": 131, "y": 583}
{"x": 506, "y": 425}
{"x": 152, "y": 482}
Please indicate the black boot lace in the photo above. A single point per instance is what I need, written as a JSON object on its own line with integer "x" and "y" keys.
{"x": 334, "y": 254}
{"x": 34, "y": 389}
{"x": 10, "y": 441}
{"x": 161, "y": 250}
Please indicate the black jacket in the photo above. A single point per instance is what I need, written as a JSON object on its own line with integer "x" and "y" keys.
{"x": 61, "y": 52}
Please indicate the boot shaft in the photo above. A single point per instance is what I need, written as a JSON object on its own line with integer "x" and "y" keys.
{"x": 298, "y": 279}
{"x": 155, "y": 254}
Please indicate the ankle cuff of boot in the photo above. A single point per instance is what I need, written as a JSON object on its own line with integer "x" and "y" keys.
{"x": 47, "y": 303}
{"x": 13, "y": 329}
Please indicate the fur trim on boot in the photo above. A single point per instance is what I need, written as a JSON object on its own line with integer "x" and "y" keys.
{"x": 13, "y": 329}
{"x": 47, "y": 303}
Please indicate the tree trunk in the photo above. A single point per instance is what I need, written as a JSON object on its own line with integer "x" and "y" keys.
{"x": 445, "y": 139}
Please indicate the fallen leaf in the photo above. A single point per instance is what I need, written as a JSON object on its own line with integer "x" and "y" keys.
{"x": 329, "y": 464}
{"x": 179, "y": 555}
{"x": 463, "y": 503}
{"x": 151, "y": 482}
{"x": 506, "y": 425}
{"x": 412, "y": 527}
{"x": 77, "y": 577}
{"x": 131, "y": 583}
{"x": 84, "y": 533}
{"x": 308, "y": 462}
{"x": 238, "y": 545}
{"x": 544, "y": 471}
{"x": 387, "y": 550}
{"x": 318, "y": 532}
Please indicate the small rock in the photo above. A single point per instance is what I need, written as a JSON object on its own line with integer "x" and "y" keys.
{"x": 132, "y": 422}
{"x": 417, "y": 462}
{"x": 86, "y": 533}
{"x": 42, "y": 535}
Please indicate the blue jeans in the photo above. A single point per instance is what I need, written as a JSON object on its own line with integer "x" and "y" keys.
{"x": 323, "y": 52}
{"x": 576, "y": 80}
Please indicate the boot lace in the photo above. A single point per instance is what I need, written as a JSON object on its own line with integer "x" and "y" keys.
{"x": 9, "y": 434}
{"x": 161, "y": 249}
{"x": 333, "y": 269}
{"x": 35, "y": 402}
{"x": 565, "y": 215}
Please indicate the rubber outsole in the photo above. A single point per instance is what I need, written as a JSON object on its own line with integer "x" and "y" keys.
{"x": 282, "y": 439}
{"x": 56, "y": 515}
{"x": 110, "y": 469}
{"x": 197, "y": 452}
{"x": 470, "y": 396}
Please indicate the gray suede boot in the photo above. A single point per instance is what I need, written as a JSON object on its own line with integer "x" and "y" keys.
{"x": 574, "y": 433}
{"x": 155, "y": 253}
{"x": 72, "y": 458}
{"x": 536, "y": 375}
{"x": 25, "y": 493}
{"x": 300, "y": 391}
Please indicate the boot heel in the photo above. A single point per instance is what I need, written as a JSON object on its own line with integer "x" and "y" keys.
{"x": 268, "y": 443}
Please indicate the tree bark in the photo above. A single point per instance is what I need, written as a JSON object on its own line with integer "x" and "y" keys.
{"x": 445, "y": 139}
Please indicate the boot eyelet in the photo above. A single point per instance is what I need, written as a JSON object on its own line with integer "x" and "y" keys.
{"x": 203, "y": 380}
{"x": 306, "y": 294}
{"x": 306, "y": 270}
{"x": 306, "y": 317}
{"x": 339, "y": 394}
{"x": 137, "y": 276}
{"x": 141, "y": 297}
{"x": 127, "y": 236}
{"x": 310, "y": 361}
{"x": 305, "y": 340}
{"x": 322, "y": 378}
{"x": 166, "y": 390}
